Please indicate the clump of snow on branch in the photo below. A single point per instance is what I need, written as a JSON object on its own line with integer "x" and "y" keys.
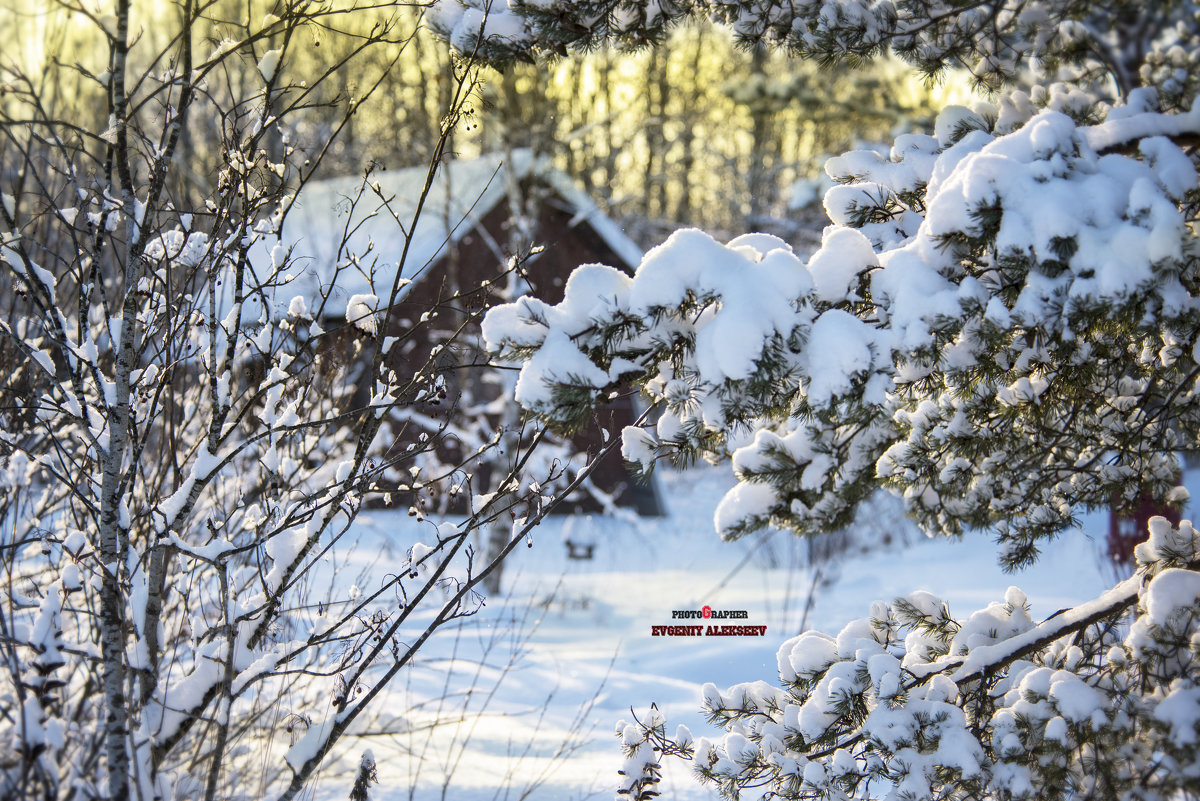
{"x": 913, "y": 702}
{"x": 958, "y": 312}
{"x": 360, "y": 312}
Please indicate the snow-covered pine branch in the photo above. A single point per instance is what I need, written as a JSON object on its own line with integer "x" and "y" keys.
{"x": 1000, "y": 324}
{"x": 911, "y": 702}
{"x": 995, "y": 41}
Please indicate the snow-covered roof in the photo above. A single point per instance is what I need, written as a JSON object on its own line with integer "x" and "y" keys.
{"x": 463, "y": 192}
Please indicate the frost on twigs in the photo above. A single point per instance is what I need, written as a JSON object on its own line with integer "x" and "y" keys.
{"x": 182, "y": 453}
{"x": 646, "y": 744}
{"x": 912, "y": 702}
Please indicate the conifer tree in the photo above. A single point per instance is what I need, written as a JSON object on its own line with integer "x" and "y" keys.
{"x": 1000, "y": 325}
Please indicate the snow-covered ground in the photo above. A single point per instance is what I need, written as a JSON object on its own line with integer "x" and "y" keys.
{"x": 526, "y": 693}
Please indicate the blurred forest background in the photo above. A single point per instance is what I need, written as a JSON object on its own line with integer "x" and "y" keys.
{"x": 698, "y": 132}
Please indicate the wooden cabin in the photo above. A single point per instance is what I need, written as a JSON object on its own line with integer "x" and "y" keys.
{"x": 352, "y": 236}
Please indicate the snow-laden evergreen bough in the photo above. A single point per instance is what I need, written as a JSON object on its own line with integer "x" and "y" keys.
{"x": 1001, "y": 325}
{"x": 1098, "y": 702}
{"x": 1116, "y": 41}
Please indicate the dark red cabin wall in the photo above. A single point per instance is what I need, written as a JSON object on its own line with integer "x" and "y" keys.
{"x": 474, "y": 261}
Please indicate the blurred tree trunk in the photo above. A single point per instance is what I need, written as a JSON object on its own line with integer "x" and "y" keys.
{"x": 579, "y": 113}
{"x": 689, "y": 142}
{"x": 608, "y": 149}
{"x": 760, "y": 144}
{"x": 654, "y": 204}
